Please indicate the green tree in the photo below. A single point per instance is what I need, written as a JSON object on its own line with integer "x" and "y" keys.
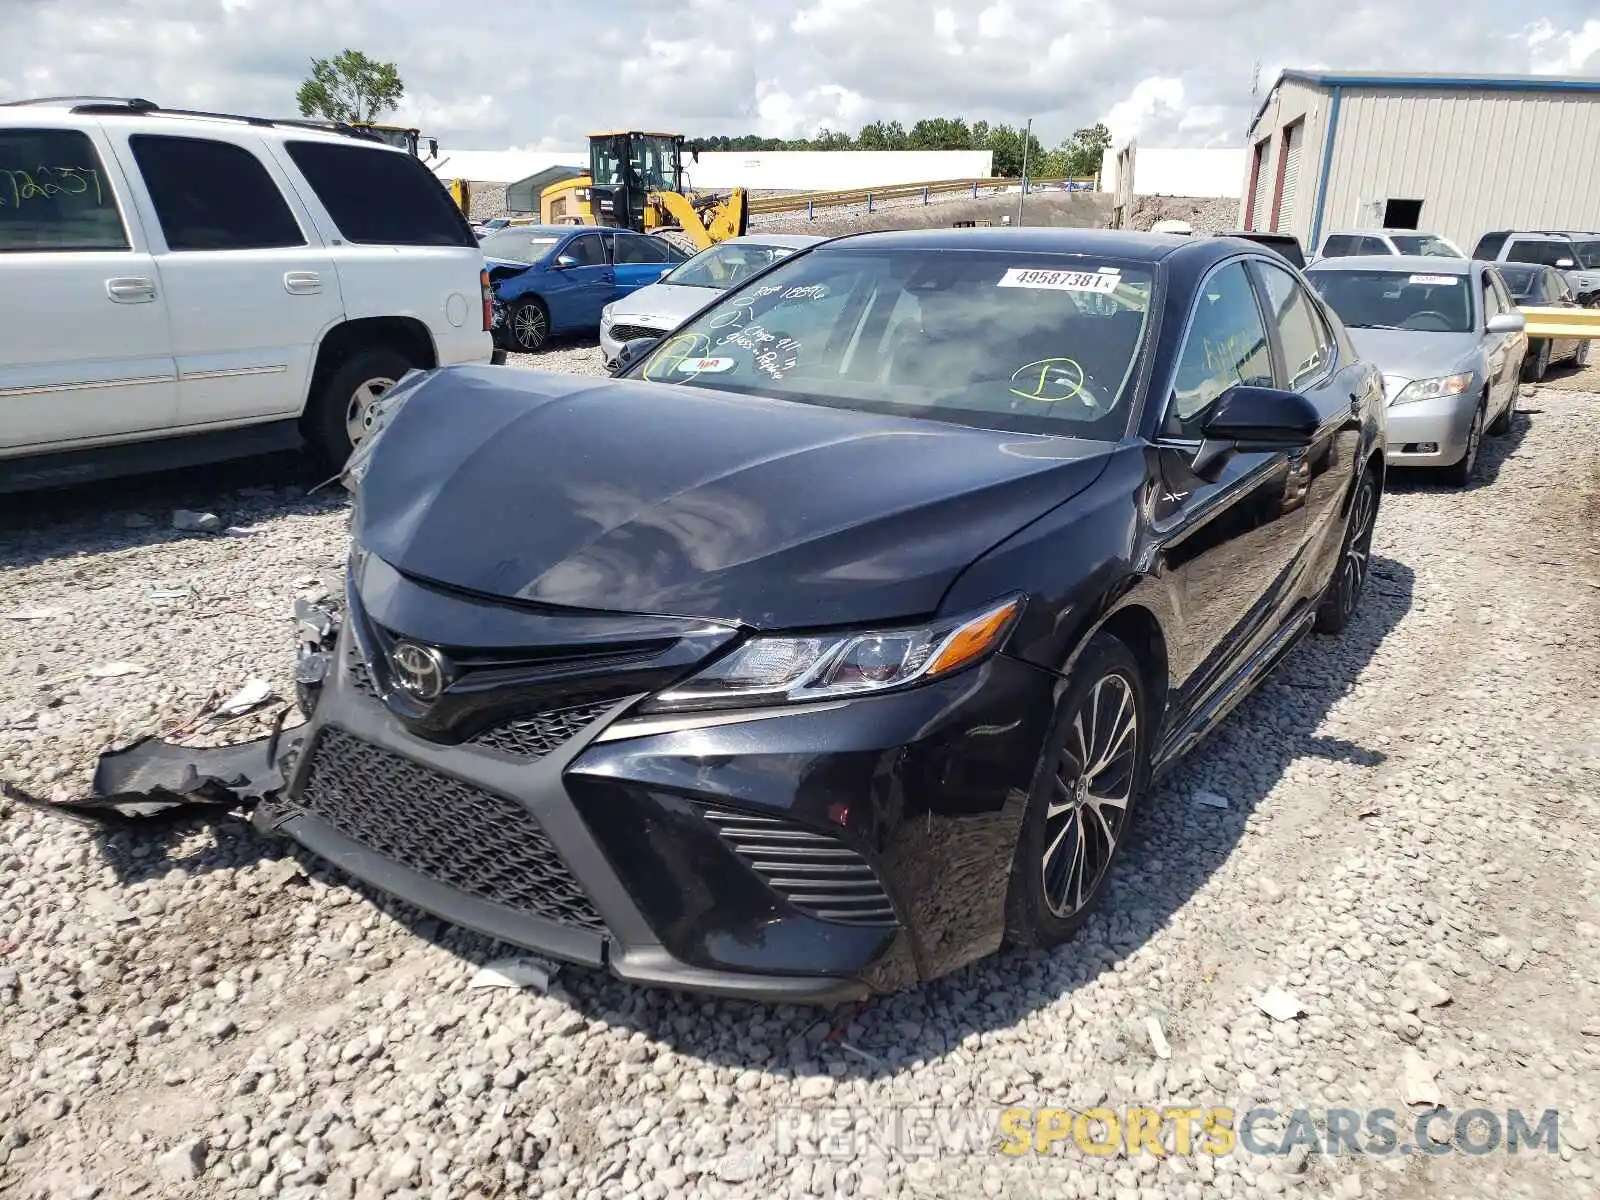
{"x": 1006, "y": 144}
{"x": 351, "y": 87}
{"x": 832, "y": 139}
{"x": 1086, "y": 150}
{"x": 940, "y": 133}
{"x": 882, "y": 135}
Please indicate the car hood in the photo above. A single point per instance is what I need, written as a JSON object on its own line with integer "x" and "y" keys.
{"x": 653, "y": 498}
{"x": 661, "y": 305}
{"x": 1403, "y": 354}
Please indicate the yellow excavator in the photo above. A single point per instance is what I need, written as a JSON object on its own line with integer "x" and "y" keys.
{"x": 635, "y": 181}
{"x": 403, "y": 137}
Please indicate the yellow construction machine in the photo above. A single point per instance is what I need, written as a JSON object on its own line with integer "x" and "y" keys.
{"x": 635, "y": 181}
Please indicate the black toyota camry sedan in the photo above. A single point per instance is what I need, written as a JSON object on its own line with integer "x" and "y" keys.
{"x": 836, "y": 641}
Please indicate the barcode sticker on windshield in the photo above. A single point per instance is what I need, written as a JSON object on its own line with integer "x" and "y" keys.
{"x": 1436, "y": 280}
{"x": 1061, "y": 281}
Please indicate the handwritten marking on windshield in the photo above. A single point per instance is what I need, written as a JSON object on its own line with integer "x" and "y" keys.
{"x": 673, "y": 353}
{"x": 1048, "y": 380}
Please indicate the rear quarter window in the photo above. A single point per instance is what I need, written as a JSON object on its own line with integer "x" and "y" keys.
{"x": 381, "y": 197}
{"x": 54, "y": 194}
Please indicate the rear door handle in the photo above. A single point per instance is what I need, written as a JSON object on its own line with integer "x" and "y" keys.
{"x": 131, "y": 289}
{"x": 302, "y": 283}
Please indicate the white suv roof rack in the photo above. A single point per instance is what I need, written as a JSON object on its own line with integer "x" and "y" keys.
{"x": 133, "y": 106}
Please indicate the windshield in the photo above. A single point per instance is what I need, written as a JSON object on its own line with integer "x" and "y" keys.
{"x": 723, "y": 266}
{"x": 1522, "y": 280}
{"x": 1425, "y": 245}
{"x": 1397, "y": 300}
{"x": 1029, "y": 342}
{"x": 518, "y": 245}
{"x": 1588, "y": 255}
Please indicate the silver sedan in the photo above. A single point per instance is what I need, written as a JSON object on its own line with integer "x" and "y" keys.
{"x": 660, "y": 308}
{"x": 1449, "y": 340}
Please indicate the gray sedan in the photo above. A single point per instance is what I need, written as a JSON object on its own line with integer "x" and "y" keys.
{"x": 690, "y": 286}
{"x": 1449, "y": 340}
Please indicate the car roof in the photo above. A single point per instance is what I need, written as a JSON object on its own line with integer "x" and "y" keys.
{"x": 1109, "y": 243}
{"x": 774, "y": 239}
{"x": 144, "y": 117}
{"x": 1406, "y": 264}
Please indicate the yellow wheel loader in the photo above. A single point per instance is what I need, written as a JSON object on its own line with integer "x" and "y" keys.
{"x": 635, "y": 181}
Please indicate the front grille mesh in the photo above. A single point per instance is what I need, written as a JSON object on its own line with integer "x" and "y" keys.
{"x": 360, "y": 673}
{"x": 626, "y": 333}
{"x": 816, "y": 873}
{"x": 470, "y": 840}
{"x": 538, "y": 735}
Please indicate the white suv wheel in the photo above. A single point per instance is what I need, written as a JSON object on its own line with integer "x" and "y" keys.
{"x": 358, "y": 415}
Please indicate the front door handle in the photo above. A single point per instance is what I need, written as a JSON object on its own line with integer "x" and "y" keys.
{"x": 302, "y": 283}
{"x": 131, "y": 289}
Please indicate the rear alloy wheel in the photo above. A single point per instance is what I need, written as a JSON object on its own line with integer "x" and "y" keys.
{"x": 341, "y": 412}
{"x": 529, "y": 324}
{"x": 1461, "y": 473}
{"x": 1355, "y": 557}
{"x": 1089, "y": 779}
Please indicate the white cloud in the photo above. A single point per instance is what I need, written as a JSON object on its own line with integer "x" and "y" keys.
{"x": 1175, "y": 71}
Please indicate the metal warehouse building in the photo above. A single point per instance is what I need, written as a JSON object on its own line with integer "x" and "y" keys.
{"x": 1456, "y": 155}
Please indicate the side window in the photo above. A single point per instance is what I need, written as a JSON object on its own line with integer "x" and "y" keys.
{"x": 1491, "y": 298}
{"x": 587, "y": 250}
{"x": 1559, "y": 288}
{"x": 54, "y": 194}
{"x": 1548, "y": 253}
{"x": 1489, "y": 246}
{"x": 1372, "y": 245}
{"x": 640, "y": 250}
{"x": 211, "y": 195}
{"x": 380, "y": 197}
{"x": 1307, "y": 349}
{"x": 1227, "y": 344}
{"x": 1338, "y": 245}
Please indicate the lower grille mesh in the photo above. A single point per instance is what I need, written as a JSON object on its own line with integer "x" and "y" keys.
{"x": 816, "y": 873}
{"x": 471, "y": 840}
{"x": 627, "y": 333}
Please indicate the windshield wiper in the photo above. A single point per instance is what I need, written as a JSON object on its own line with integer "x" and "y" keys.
{"x": 1402, "y": 328}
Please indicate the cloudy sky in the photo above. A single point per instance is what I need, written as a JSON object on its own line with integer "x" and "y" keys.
{"x": 540, "y": 75}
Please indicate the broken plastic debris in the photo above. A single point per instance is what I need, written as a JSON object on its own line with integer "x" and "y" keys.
{"x": 114, "y": 670}
{"x": 1210, "y": 799}
{"x": 1158, "y": 1039}
{"x": 1279, "y": 1004}
{"x": 1418, "y": 1081}
{"x": 254, "y": 693}
{"x": 514, "y": 973}
{"x": 37, "y": 614}
{"x": 190, "y": 521}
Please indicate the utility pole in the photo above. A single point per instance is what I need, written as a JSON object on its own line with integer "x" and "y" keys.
{"x": 1027, "y": 138}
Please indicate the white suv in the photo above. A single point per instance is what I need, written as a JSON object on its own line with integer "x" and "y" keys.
{"x": 186, "y": 287}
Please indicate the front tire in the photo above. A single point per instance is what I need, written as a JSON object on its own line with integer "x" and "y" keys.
{"x": 1355, "y": 555}
{"x": 1089, "y": 779}
{"x": 1460, "y": 474}
{"x": 1535, "y": 366}
{"x": 342, "y": 410}
{"x": 528, "y": 326}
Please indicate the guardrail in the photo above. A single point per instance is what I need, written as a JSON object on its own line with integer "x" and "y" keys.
{"x": 1562, "y": 322}
{"x": 809, "y": 202}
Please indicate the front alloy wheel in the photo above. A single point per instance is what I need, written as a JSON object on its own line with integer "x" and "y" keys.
{"x": 1093, "y": 785}
{"x": 530, "y": 326}
{"x": 1355, "y": 555}
{"x": 1091, "y": 773}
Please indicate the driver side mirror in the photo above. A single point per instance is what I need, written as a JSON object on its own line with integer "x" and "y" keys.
{"x": 631, "y": 352}
{"x": 1507, "y": 322}
{"x": 1249, "y": 418}
{"x": 565, "y": 262}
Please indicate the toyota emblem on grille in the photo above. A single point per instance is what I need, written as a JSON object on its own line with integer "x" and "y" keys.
{"x": 420, "y": 670}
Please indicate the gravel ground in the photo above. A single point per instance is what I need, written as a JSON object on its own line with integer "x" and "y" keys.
{"x": 1407, "y": 846}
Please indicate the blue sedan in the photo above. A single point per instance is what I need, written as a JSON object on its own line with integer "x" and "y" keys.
{"x": 554, "y": 279}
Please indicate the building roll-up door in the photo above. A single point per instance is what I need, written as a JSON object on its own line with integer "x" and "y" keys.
{"x": 1293, "y": 141}
{"x": 1260, "y": 192}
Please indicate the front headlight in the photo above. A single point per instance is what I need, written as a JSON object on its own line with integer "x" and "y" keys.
{"x": 1432, "y": 389}
{"x": 605, "y": 313}
{"x": 825, "y": 666}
